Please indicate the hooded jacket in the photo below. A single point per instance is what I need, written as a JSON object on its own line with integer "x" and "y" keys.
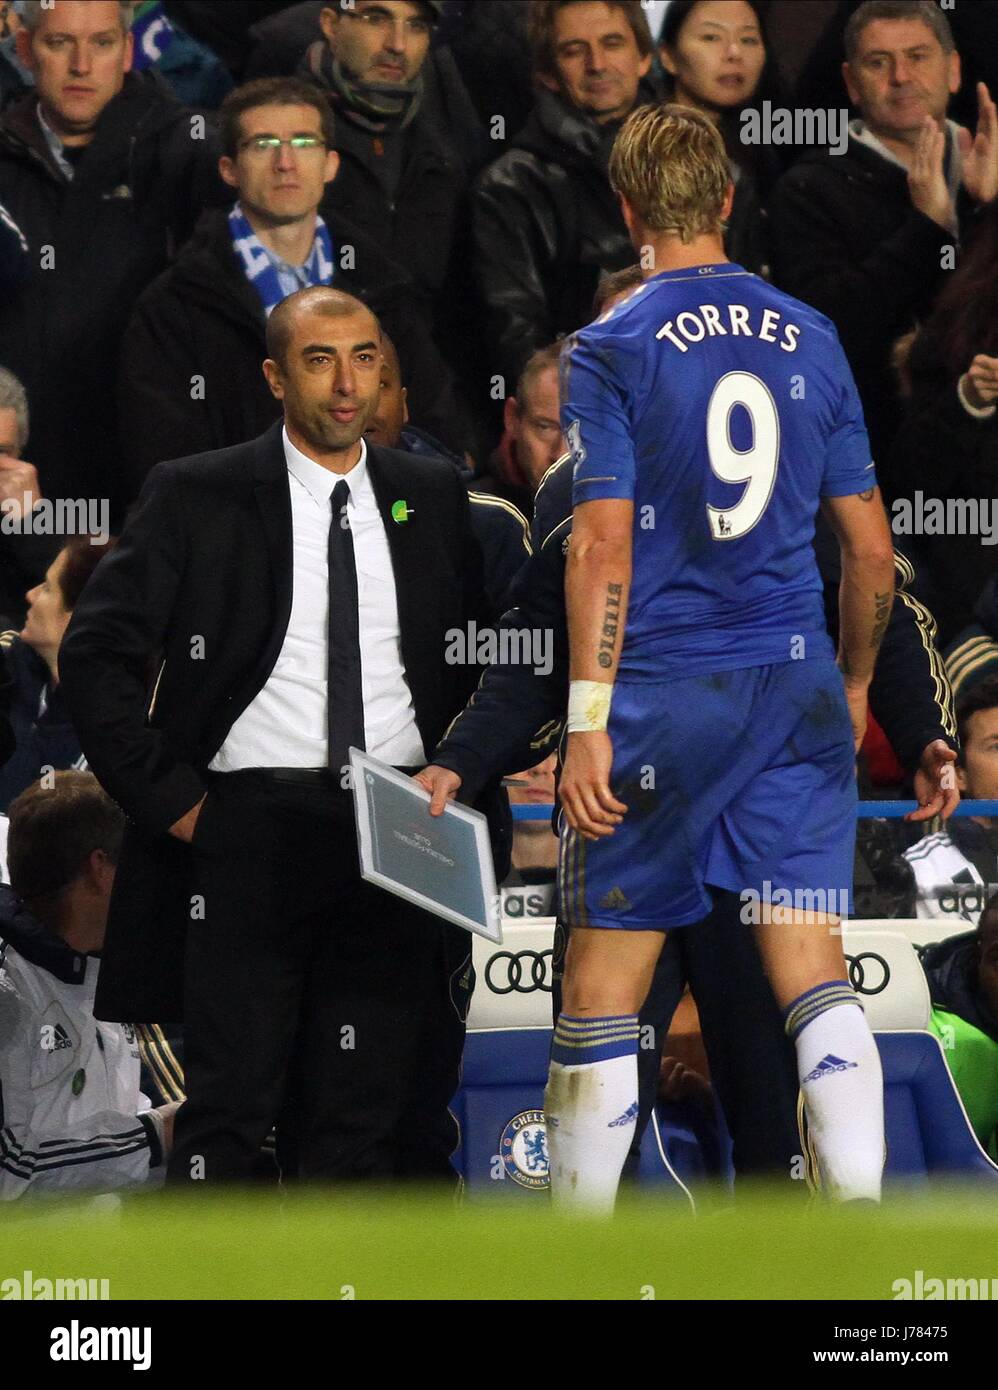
{"x": 191, "y": 367}
{"x": 72, "y": 1113}
{"x": 134, "y": 199}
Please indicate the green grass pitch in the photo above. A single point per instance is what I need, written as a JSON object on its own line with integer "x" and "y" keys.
{"x": 390, "y": 1246}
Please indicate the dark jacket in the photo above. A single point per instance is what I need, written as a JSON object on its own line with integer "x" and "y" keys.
{"x": 545, "y": 223}
{"x": 226, "y": 29}
{"x": 489, "y": 45}
{"x": 846, "y": 239}
{"x": 951, "y": 970}
{"x": 14, "y": 81}
{"x": 944, "y": 452}
{"x": 203, "y": 318}
{"x": 514, "y": 707}
{"x": 134, "y": 199}
{"x": 207, "y": 552}
{"x": 43, "y": 732}
{"x": 500, "y": 528}
{"x": 279, "y": 43}
{"x": 422, "y": 222}
{"x": 15, "y": 255}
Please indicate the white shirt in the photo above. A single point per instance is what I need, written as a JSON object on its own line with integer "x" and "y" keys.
{"x": 285, "y": 723}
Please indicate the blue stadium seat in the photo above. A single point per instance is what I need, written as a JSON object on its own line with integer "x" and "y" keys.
{"x": 503, "y": 1148}
{"x": 928, "y": 1133}
{"x": 500, "y": 1104}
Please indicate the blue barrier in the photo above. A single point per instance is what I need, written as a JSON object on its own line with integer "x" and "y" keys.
{"x": 890, "y": 810}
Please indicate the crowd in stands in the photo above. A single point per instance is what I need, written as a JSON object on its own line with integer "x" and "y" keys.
{"x": 170, "y": 171}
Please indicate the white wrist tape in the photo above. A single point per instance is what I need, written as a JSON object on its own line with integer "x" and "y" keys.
{"x": 588, "y": 706}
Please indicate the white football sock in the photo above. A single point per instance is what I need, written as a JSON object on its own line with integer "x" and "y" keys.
{"x": 591, "y": 1106}
{"x": 843, "y": 1088}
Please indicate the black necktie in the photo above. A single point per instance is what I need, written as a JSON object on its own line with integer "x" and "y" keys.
{"x": 345, "y": 707}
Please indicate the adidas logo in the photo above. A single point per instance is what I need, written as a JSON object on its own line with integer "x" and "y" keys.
{"x": 628, "y": 1118}
{"x": 827, "y": 1065}
{"x": 54, "y": 1037}
{"x": 615, "y": 899}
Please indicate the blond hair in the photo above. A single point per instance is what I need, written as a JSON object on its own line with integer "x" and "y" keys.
{"x": 669, "y": 162}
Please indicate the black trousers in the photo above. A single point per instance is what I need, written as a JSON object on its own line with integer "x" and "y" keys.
{"x": 753, "y": 1064}
{"x": 314, "y": 1000}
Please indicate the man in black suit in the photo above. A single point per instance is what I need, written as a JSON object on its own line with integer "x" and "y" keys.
{"x": 308, "y": 994}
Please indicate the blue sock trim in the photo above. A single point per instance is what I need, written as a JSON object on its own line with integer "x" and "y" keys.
{"x": 813, "y": 1002}
{"x": 580, "y": 1041}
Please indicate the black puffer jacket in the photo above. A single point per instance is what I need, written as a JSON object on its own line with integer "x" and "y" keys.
{"x": 134, "y": 200}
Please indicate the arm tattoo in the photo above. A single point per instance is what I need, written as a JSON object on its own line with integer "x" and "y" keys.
{"x": 611, "y": 620}
{"x": 882, "y": 603}
{"x": 867, "y": 496}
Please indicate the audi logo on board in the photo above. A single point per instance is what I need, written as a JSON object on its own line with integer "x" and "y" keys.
{"x": 519, "y": 972}
{"x": 872, "y": 979}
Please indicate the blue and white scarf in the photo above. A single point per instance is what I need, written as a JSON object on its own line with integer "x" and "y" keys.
{"x": 261, "y": 266}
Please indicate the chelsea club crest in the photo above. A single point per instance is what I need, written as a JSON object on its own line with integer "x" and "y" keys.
{"x": 523, "y": 1148}
{"x": 573, "y": 438}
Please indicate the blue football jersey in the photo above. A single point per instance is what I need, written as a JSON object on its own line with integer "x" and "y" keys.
{"x": 725, "y": 410}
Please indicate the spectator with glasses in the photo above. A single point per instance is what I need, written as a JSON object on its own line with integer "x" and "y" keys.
{"x": 190, "y": 367}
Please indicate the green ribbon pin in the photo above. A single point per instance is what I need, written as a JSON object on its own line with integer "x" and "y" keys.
{"x": 401, "y": 512}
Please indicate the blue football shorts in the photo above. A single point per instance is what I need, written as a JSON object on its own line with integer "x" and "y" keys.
{"x": 740, "y": 780}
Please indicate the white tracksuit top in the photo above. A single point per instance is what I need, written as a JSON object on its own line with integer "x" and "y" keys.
{"x": 936, "y": 862}
{"x": 70, "y": 1099}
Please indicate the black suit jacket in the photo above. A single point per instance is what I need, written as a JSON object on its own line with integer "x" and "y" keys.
{"x": 201, "y": 582}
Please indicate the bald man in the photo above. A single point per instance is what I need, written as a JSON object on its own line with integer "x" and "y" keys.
{"x": 293, "y": 611}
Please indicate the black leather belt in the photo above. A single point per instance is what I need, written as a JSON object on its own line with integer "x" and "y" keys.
{"x": 299, "y": 776}
{"x": 294, "y": 776}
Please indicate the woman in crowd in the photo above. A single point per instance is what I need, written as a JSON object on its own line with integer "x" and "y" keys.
{"x": 714, "y": 56}
{"x": 44, "y": 736}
